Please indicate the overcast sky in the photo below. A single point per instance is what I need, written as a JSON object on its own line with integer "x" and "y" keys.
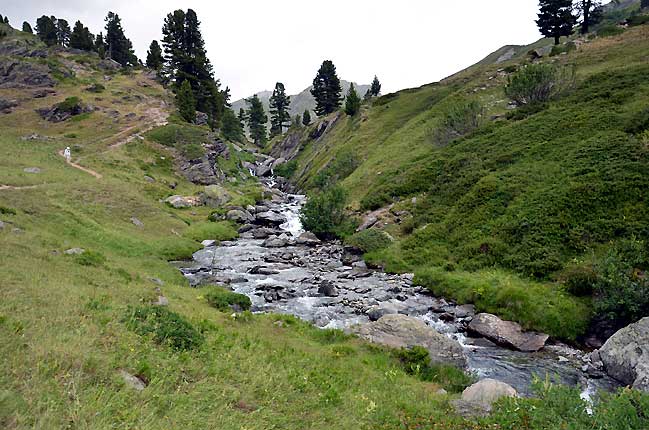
{"x": 255, "y": 43}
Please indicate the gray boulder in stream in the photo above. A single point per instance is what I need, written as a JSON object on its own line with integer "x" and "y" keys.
{"x": 402, "y": 331}
{"x": 507, "y": 333}
{"x": 270, "y": 218}
{"x": 275, "y": 242}
{"x": 625, "y": 355}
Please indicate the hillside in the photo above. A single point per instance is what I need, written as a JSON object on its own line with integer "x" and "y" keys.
{"x": 504, "y": 216}
{"x": 299, "y": 102}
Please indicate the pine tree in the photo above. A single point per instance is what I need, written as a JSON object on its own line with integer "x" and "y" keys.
{"x": 118, "y": 47}
{"x": 644, "y": 4}
{"x": 556, "y": 18}
{"x": 27, "y": 28}
{"x": 592, "y": 13}
{"x": 257, "y": 120}
{"x": 352, "y": 101}
{"x": 242, "y": 117}
{"x": 6, "y": 20}
{"x": 297, "y": 121}
{"x": 186, "y": 103}
{"x": 100, "y": 45}
{"x": 326, "y": 89}
{"x": 46, "y": 30}
{"x": 375, "y": 88}
{"x": 154, "y": 58}
{"x": 231, "y": 128}
{"x": 279, "y": 114}
{"x": 63, "y": 32}
{"x": 306, "y": 117}
{"x": 81, "y": 38}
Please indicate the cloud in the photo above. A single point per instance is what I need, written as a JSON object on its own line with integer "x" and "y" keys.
{"x": 255, "y": 43}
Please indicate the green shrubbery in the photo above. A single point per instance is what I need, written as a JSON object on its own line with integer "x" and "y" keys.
{"x": 164, "y": 326}
{"x": 71, "y": 105}
{"x": 369, "y": 240}
{"x": 416, "y": 361}
{"x": 227, "y": 301}
{"x": 286, "y": 170}
{"x": 324, "y": 214}
{"x": 187, "y": 138}
{"x": 90, "y": 258}
{"x": 610, "y": 30}
{"x": 460, "y": 119}
{"x": 96, "y": 88}
{"x": 219, "y": 231}
{"x": 539, "y": 83}
{"x": 338, "y": 169}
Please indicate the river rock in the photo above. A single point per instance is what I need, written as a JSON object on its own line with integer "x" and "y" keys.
{"x": 402, "y": 331}
{"x": 377, "y": 312}
{"x": 263, "y": 233}
{"x": 275, "y": 242}
{"x": 507, "y": 333}
{"x": 240, "y": 216}
{"x": 478, "y": 398}
{"x": 270, "y": 218}
{"x": 465, "y": 311}
{"x": 626, "y": 355}
{"x": 307, "y": 238}
{"x": 327, "y": 289}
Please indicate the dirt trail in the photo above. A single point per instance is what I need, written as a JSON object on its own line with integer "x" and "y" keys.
{"x": 84, "y": 169}
{"x": 11, "y": 187}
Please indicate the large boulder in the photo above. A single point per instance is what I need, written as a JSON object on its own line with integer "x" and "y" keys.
{"x": 507, "y": 333}
{"x": 327, "y": 289}
{"x": 215, "y": 196}
{"x": 307, "y": 238}
{"x": 239, "y": 215}
{"x": 180, "y": 202}
{"x": 478, "y": 399}
{"x": 402, "y": 331}
{"x": 270, "y": 218}
{"x": 6, "y": 106}
{"x": 626, "y": 355}
{"x": 275, "y": 242}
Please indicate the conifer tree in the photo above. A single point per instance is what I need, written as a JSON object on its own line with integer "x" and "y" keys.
{"x": 186, "y": 103}
{"x": 352, "y": 101}
{"x": 46, "y": 30}
{"x": 297, "y": 121}
{"x": 81, "y": 38}
{"x": 592, "y": 13}
{"x": 375, "y": 88}
{"x": 644, "y": 4}
{"x": 63, "y": 32}
{"x": 306, "y": 117}
{"x": 1, "y": 18}
{"x": 27, "y": 28}
{"x": 257, "y": 120}
{"x": 154, "y": 58}
{"x": 118, "y": 47}
{"x": 6, "y": 20}
{"x": 279, "y": 114}
{"x": 242, "y": 117}
{"x": 231, "y": 127}
{"x": 556, "y": 18}
{"x": 100, "y": 45}
{"x": 326, "y": 89}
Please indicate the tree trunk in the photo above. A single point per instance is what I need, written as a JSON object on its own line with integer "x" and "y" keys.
{"x": 556, "y": 39}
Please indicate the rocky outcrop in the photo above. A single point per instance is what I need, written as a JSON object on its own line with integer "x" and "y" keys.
{"x": 507, "y": 333}
{"x": 478, "y": 399}
{"x": 241, "y": 216}
{"x": 289, "y": 147}
{"x": 625, "y": 355}
{"x": 63, "y": 111}
{"x": 402, "y": 331}
{"x": 205, "y": 170}
{"x": 6, "y": 106}
{"x": 23, "y": 74}
{"x": 215, "y": 196}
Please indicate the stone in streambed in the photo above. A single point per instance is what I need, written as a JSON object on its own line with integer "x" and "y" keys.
{"x": 327, "y": 289}
{"x": 507, "y": 333}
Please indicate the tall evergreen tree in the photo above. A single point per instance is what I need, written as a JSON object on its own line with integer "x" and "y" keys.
{"x": 326, "y": 89}
{"x": 81, "y": 38}
{"x": 100, "y": 45}
{"x": 46, "y": 30}
{"x": 592, "y": 13}
{"x": 118, "y": 46}
{"x": 644, "y": 3}
{"x": 231, "y": 127}
{"x": 306, "y": 117}
{"x": 352, "y": 101}
{"x": 242, "y": 117}
{"x": 27, "y": 28}
{"x": 556, "y": 18}
{"x": 154, "y": 58}
{"x": 257, "y": 120}
{"x": 186, "y": 103}
{"x": 63, "y": 32}
{"x": 375, "y": 88}
{"x": 6, "y": 20}
{"x": 280, "y": 117}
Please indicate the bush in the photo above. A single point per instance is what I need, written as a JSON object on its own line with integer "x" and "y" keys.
{"x": 90, "y": 258}
{"x": 343, "y": 165}
{"x": 286, "y": 170}
{"x": 460, "y": 119}
{"x": 610, "y": 30}
{"x": 416, "y": 361}
{"x": 579, "y": 279}
{"x": 526, "y": 111}
{"x": 71, "y": 105}
{"x": 622, "y": 290}
{"x": 638, "y": 20}
{"x": 164, "y": 326}
{"x": 638, "y": 123}
{"x": 539, "y": 83}
{"x": 370, "y": 240}
{"x": 226, "y": 301}
{"x": 324, "y": 214}
{"x": 374, "y": 201}
{"x": 7, "y": 211}
{"x": 96, "y": 88}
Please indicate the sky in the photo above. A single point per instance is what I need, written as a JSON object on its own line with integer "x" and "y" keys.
{"x": 253, "y": 44}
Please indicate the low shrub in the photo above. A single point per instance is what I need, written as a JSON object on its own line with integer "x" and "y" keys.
{"x": 7, "y": 211}
{"x": 579, "y": 279}
{"x": 370, "y": 240}
{"x": 219, "y": 231}
{"x": 416, "y": 361}
{"x": 96, "y": 88}
{"x": 539, "y": 83}
{"x": 342, "y": 165}
{"x": 71, "y": 104}
{"x": 610, "y": 30}
{"x": 638, "y": 123}
{"x": 324, "y": 214}
{"x": 226, "y": 301}
{"x": 329, "y": 336}
{"x": 526, "y": 111}
{"x": 164, "y": 326}
{"x": 638, "y": 20}
{"x": 286, "y": 170}
{"x": 460, "y": 119}
{"x": 374, "y": 201}
{"x": 90, "y": 258}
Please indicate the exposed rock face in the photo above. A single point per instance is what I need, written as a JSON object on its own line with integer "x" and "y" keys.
{"x": 507, "y": 333}
{"x": 401, "y": 331}
{"x": 22, "y": 48}
{"x": 289, "y": 147}
{"x": 21, "y": 74}
{"x": 478, "y": 398}
{"x": 204, "y": 170}
{"x": 626, "y": 355}
{"x": 57, "y": 113}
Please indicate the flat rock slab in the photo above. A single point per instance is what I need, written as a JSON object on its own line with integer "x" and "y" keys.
{"x": 507, "y": 333}
{"x": 402, "y": 331}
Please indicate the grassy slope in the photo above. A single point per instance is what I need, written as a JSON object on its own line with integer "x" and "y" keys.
{"x": 62, "y": 341}
{"x": 524, "y": 196}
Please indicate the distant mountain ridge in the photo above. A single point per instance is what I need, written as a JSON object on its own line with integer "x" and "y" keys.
{"x": 299, "y": 102}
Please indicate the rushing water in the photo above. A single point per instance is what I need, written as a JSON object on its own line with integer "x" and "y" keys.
{"x": 286, "y": 280}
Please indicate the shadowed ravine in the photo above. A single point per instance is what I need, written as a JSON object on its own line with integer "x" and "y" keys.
{"x": 287, "y": 280}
